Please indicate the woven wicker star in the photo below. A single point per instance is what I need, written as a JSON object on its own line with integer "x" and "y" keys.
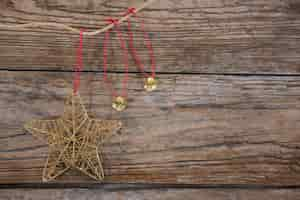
{"x": 74, "y": 140}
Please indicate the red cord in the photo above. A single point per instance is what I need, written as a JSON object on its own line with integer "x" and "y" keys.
{"x": 133, "y": 50}
{"x": 147, "y": 42}
{"x": 150, "y": 48}
{"x": 106, "y": 80}
{"x": 125, "y": 59}
{"x": 79, "y": 65}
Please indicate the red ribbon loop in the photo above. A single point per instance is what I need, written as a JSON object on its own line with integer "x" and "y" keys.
{"x": 79, "y": 65}
{"x": 125, "y": 60}
{"x": 148, "y": 44}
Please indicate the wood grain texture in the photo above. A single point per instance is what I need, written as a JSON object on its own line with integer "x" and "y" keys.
{"x": 224, "y": 130}
{"x": 195, "y": 36}
{"x": 170, "y": 194}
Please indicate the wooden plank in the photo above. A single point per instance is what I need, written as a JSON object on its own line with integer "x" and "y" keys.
{"x": 150, "y": 194}
{"x": 240, "y": 130}
{"x": 207, "y": 36}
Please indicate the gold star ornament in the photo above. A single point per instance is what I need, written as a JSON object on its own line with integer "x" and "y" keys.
{"x": 74, "y": 140}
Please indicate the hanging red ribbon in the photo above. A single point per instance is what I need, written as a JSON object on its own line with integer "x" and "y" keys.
{"x": 79, "y": 65}
{"x": 125, "y": 59}
{"x": 147, "y": 42}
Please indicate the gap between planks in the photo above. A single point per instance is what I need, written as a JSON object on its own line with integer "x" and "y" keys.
{"x": 162, "y": 73}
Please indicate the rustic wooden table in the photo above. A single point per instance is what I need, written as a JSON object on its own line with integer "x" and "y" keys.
{"x": 226, "y": 113}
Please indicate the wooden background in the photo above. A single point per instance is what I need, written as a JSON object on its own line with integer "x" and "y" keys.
{"x": 226, "y": 113}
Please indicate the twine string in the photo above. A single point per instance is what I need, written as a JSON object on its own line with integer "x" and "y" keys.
{"x": 75, "y": 30}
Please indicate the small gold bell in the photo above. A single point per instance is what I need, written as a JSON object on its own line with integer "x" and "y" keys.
{"x": 150, "y": 84}
{"x": 119, "y": 103}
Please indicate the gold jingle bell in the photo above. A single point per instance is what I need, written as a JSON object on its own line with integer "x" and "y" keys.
{"x": 119, "y": 103}
{"x": 150, "y": 84}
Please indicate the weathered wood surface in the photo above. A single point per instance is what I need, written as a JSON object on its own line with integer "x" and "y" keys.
{"x": 241, "y": 130}
{"x": 207, "y": 36}
{"x": 199, "y": 130}
{"x": 169, "y": 194}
